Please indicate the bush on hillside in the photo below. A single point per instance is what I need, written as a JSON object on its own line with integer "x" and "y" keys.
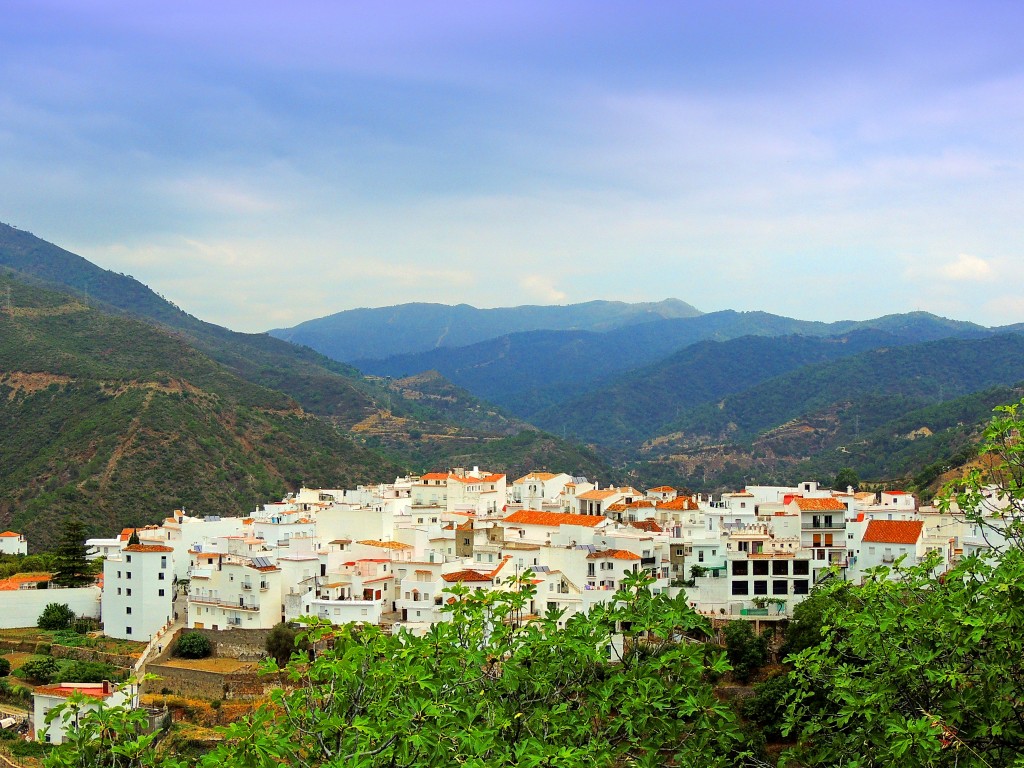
{"x": 56, "y": 616}
{"x": 193, "y": 645}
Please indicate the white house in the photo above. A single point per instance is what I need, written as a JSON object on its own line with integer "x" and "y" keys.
{"x": 138, "y": 591}
{"x": 46, "y": 697}
{"x": 12, "y": 543}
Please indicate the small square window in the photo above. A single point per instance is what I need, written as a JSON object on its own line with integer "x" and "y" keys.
{"x": 128, "y": 591}
{"x": 128, "y": 558}
{"x": 128, "y": 630}
{"x": 160, "y": 593}
{"x": 160, "y": 576}
{"x": 128, "y": 609}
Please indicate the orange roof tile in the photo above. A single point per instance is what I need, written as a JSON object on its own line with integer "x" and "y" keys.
{"x": 8, "y": 534}
{"x": 615, "y": 554}
{"x": 147, "y": 548}
{"x": 649, "y": 525}
{"x": 536, "y": 476}
{"x": 680, "y": 503}
{"x": 15, "y": 581}
{"x": 826, "y": 504}
{"x": 385, "y": 544}
{"x": 466, "y": 576}
{"x": 662, "y": 489}
{"x": 93, "y": 690}
{"x": 598, "y": 495}
{"x": 893, "y": 531}
{"x": 533, "y": 517}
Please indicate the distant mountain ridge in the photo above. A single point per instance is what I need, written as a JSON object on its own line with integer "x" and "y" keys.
{"x": 411, "y": 328}
{"x": 531, "y": 372}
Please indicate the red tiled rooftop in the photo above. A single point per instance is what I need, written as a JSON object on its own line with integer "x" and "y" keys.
{"x": 826, "y": 504}
{"x": 533, "y": 517}
{"x": 147, "y": 548}
{"x": 893, "y": 531}
{"x": 615, "y": 554}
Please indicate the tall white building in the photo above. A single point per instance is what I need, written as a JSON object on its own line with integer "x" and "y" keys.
{"x": 138, "y": 591}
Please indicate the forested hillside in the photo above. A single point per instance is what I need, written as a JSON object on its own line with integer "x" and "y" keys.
{"x": 119, "y": 422}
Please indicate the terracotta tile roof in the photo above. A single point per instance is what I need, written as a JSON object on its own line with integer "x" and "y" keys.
{"x": 8, "y": 534}
{"x": 537, "y": 476}
{"x": 649, "y": 525}
{"x": 662, "y": 489}
{"x": 680, "y": 503}
{"x": 385, "y": 544}
{"x": 15, "y": 581}
{"x": 533, "y": 517}
{"x": 614, "y": 554}
{"x": 466, "y": 526}
{"x": 641, "y": 504}
{"x": 147, "y": 548}
{"x": 94, "y": 690}
{"x": 893, "y": 531}
{"x": 466, "y": 576}
{"x": 492, "y": 478}
{"x": 896, "y": 493}
{"x": 435, "y": 476}
{"x": 827, "y": 504}
{"x": 598, "y": 495}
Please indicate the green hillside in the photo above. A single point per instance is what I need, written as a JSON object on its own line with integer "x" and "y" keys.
{"x": 119, "y": 422}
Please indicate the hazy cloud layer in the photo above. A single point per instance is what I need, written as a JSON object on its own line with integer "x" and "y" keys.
{"x": 263, "y": 163}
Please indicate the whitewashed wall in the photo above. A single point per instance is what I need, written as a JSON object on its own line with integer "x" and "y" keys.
{"x": 21, "y": 607}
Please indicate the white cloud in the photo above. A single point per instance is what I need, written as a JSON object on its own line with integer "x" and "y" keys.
{"x": 543, "y": 288}
{"x": 967, "y": 267}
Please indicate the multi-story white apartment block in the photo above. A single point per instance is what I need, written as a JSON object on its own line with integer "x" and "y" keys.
{"x": 228, "y": 591}
{"x": 138, "y": 591}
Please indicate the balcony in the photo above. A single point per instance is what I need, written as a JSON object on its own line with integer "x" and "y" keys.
{"x": 247, "y": 587}
{"x": 647, "y": 561}
{"x": 835, "y": 526}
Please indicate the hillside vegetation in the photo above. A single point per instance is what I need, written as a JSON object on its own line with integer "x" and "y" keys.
{"x": 119, "y": 422}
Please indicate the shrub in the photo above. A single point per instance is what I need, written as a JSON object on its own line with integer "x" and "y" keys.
{"x": 43, "y": 669}
{"x": 280, "y": 643}
{"x": 56, "y": 616}
{"x": 746, "y": 651}
{"x": 192, "y": 645}
{"x": 5, "y": 667}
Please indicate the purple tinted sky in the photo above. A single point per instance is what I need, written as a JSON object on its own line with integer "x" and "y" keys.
{"x": 264, "y": 163}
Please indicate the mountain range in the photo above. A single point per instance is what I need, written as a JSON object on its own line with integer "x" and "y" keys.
{"x": 117, "y": 406}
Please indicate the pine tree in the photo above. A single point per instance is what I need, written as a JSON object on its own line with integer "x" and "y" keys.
{"x": 71, "y": 568}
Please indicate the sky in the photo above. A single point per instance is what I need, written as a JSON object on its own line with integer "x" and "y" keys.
{"x": 264, "y": 163}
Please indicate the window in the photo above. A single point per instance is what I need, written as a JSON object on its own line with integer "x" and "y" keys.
{"x": 740, "y": 588}
{"x": 127, "y": 574}
{"x": 128, "y": 591}
{"x": 700, "y": 556}
{"x": 714, "y": 552}
{"x": 128, "y": 630}
{"x": 163, "y": 561}
{"x": 801, "y": 568}
{"x": 119, "y": 590}
{"x": 160, "y": 576}
{"x": 679, "y": 552}
{"x": 739, "y": 568}
{"x": 160, "y": 593}
{"x": 800, "y": 587}
{"x": 760, "y": 567}
{"x": 128, "y": 558}
{"x": 128, "y": 610}
{"x": 760, "y": 587}
{"x": 779, "y": 587}
{"x": 780, "y": 568}
{"x": 119, "y": 574}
